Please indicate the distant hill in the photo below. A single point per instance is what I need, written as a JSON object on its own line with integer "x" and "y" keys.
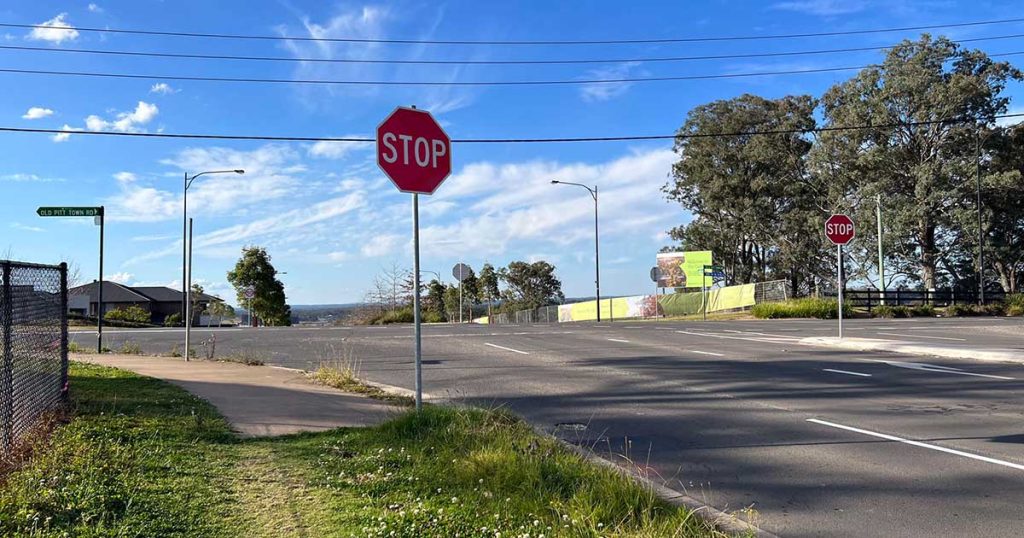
{"x": 322, "y": 313}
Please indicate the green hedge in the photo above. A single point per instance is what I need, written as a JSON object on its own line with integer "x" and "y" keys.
{"x": 800, "y": 308}
{"x": 1015, "y": 304}
{"x": 131, "y": 314}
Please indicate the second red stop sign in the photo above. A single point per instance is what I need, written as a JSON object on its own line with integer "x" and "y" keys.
{"x": 414, "y": 151}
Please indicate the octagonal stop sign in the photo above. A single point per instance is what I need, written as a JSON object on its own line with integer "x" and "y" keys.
{"x": 414, "y": 151}
{"x": 839, "y": 229}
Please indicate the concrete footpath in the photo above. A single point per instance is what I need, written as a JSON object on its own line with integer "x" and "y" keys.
{"x": 912, "y": 347}
{"x": 258, "y": 400}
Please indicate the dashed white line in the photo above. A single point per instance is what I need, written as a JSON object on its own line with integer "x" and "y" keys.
{"x": 918, "y": 444}
{"x": 923, "y": 336}
{"x": 617, "y": 340}
{"x": 506, "y": 348}
{"x": 847, "y": 372}
{"x": 705, "y": 353}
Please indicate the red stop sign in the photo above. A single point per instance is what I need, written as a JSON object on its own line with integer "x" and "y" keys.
{"x": 413, "y": 150}
{"x": 839, "y": 229}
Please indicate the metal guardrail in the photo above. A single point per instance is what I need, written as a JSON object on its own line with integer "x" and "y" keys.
{"x": 33, "y": 345}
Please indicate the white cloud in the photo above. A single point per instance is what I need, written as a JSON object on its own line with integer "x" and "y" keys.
{"x": 338, "y": 150}
{"x": 125, "y": 177}
{"x": 56, "y": 30}
{"x": 380, "y": 245}
{"x": 163, "y": 88}
{"x": 95, "y": 8}
{"x": 26, "y": 228}
{"x": 25, "y": 178}
{"x": 120, "y": 278}
{"x": 603, "y": 91}
{"x": 63, "y": 137}
{"x": 338, "y": 256}
{"x": 825, "y": 8}
{"x": 36, "y": 113}
{"x": 125, "y": 122}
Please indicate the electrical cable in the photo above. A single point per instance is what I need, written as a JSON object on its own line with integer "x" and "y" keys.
{"x": 267, "y": 138}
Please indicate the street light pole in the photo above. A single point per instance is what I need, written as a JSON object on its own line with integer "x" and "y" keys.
{"x": 184, "y": 235}
{"x": 981, "y": 230}
{"x": 597, "y": 242}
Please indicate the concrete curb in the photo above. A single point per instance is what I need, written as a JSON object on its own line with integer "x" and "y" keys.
{"x": 895, "y": 346}
{"x": 723, "y": 521}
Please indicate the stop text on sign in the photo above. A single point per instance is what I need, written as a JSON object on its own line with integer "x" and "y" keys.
{"x": 839, "y": 229}
{"x": 413, "y": 150}
{"x": 425, "y": 152}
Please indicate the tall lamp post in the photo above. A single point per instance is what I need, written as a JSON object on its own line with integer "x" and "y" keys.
{"x": 597, "y": 247}
{"x": 186, "y": 283}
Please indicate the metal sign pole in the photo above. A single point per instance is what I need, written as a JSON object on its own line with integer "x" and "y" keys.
{"x": 839, "y": 281}
{"x": 99, "y": 303}
{"x": 416, "y": 298}
{"x": 187, "y": 286}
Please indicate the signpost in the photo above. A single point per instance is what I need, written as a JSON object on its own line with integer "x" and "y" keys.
{"x": 840, "y": 230}
{"x": 250, "y": 294}
{"x": 713, "y": 271}
{"x": 97, "y": 213}
{"x": 461, "y": 273}
{"x": 656, "y": 276}
{"x": 416, "y": 154}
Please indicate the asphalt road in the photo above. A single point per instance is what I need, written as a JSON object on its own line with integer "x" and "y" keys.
{"x": 817, "y": 441}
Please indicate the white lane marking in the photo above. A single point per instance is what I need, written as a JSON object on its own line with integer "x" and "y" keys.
{"x": 705, "y": 353}
{"x": 845, "y": 372}
{"x": 919, "y": 444}
{"x": 925, "y": 367}
{"x": 506, "y": 348}
{"x": 771, "y": 339}
{"x": 617, "y": 340}
{"x": 923, "y": 336}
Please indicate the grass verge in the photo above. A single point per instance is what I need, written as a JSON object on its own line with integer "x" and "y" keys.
{"x": 143, "y": 458}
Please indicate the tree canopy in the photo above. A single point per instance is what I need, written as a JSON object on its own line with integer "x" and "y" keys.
{"x": 254, "y": 269}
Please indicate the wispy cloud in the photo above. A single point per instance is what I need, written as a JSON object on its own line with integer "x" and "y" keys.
{"x": 36, "y": 113}
{"x": 95, "y": 8}
{"x": 26, "y": 228}
{"x": 25, "y": 178}
{"x": 124, "y": 122}
{"x": 56, "y": 30}
{"x": 603, "y": 91}
{"x": 338, "y": 150}
{"x": 826, "y": 8}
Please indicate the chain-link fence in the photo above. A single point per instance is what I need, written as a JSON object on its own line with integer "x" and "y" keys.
{"x": 34, "y": 349}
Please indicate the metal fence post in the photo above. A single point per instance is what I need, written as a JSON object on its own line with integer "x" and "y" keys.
{"x": 7, "y": 375}
{"x": 64, "y": 330}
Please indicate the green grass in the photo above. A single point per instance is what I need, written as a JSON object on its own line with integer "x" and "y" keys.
{"x": 808, "y": 307}
{"x": 144, "y": 458}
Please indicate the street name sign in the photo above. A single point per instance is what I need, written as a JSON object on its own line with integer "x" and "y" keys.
{"x": 414, "y": 151}
{"x": 839, "y": 229}
{"x": 69, "y": 211}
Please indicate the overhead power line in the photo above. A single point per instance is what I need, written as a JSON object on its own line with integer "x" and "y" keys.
{"x": 552, "y": 82}
{"x": 196, "y": 56}
{"x": 520, "y": 42}
{"x": 266, "y": 138}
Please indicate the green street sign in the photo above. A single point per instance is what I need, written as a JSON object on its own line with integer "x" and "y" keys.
{"x": 69, "y": 211}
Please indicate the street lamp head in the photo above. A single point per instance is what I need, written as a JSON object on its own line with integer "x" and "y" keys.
{"x": 555, "y": 181}
{"x": 239, "y": 171}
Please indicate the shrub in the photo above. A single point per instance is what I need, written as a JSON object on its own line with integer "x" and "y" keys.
{"x": 959, "y": 310}
{"x": 402, "y": 315}
{"x": 1015, "y": 304}
{"x": 173, "y": 320}
{"x": 800, "y": 308}
{"x": 885, "y": 311}
{"x": 131, "y": 314}
{"x": 924, "y": 310}
{"x": 995, "y": 309}
{"x": 130, "y": 348}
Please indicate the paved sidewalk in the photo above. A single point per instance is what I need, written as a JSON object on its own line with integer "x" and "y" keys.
{"x": 910, "y": 346}
{"x": 259, "y": 400}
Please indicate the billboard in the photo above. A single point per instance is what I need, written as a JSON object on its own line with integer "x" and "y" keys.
{"x": 683, "y": 269}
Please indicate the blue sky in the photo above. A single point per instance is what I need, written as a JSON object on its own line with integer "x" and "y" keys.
{"x": 324, "y": 211}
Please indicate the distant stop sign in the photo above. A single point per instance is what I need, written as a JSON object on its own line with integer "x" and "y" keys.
{"x": 414, "y": 151}
{"x": 839, "y": 229}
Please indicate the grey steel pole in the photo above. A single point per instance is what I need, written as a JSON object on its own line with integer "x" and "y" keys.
{"x": 839, "y": 279}
{"x": 7, "y": 368}
{"x": 597, "y": 258}
{"x": 460, "y": 295}
{"x": 881, "y": 262}
{"x": 188, "y": 294}
{"x": 416, "y": 298}
{"x": 981, "y": 231}
{"x": 99, "y": 300}
{"x": 184, "y": 247}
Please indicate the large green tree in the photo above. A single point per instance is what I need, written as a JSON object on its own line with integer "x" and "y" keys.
{"x": 530, "y": 285}
{"x": 254, "y": 269}
{"x": 750, "y": 197}
{"x": 916, "y": 161}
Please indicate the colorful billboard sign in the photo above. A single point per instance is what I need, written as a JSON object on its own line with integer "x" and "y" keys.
{"x": 683, "y": 269}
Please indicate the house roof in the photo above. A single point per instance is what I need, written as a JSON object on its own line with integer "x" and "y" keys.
{"x": 119, "y": 293}
{"x": 112, "y": 293}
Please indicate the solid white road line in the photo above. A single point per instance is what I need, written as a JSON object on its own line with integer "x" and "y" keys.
{"x": 617, "y": 340}
{"x": 923, "y": 336}
{"x": 506, "y": 348}
{"x": 925, "y": 367}
{"x": 845, "y": 372}
{"x": 705, "y": 353}
{"x": 919, "y": 444}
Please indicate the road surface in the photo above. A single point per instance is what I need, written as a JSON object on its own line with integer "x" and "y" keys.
{"x": 817, "y": 441}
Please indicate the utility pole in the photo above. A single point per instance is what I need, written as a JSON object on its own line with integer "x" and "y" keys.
{"x": 188, "y": 293}
{"x": 981, "y": 230}
{"x": 881, "y": 260}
